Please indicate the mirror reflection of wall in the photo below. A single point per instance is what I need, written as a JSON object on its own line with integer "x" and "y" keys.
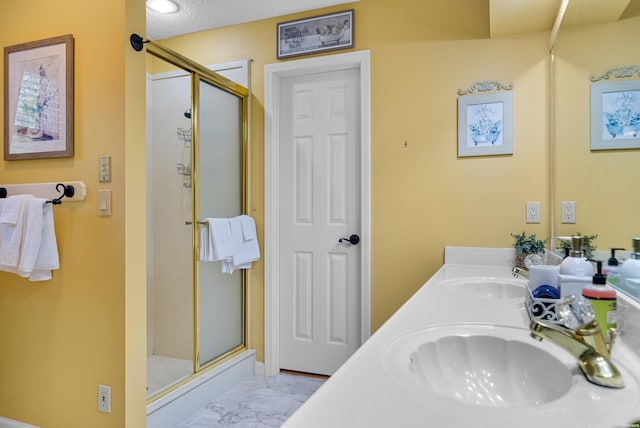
{"x": 605, "y": 185}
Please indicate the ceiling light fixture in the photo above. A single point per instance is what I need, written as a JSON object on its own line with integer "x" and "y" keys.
{"x": 162, "y": 6}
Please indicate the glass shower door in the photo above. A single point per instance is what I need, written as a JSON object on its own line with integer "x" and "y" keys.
{"x": 219, "y": 187}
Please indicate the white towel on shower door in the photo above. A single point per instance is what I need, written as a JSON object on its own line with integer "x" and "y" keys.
{"x": 248, "y": 227}
{"x": 206, "y": 246}
{"x": 246, "y": 250}
{"x": 220, "y": 238}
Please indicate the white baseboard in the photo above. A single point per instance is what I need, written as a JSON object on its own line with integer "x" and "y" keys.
{"x": 258, "y": 368}
{"x": 9, "y": 423}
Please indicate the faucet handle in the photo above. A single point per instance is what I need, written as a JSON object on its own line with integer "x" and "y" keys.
{"x": 613, "y": 333}
{"x": 574, "y": 311}
{"x": 520, "y": 273}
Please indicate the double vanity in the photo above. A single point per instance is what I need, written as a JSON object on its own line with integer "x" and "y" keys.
{"x": 459, "y": 353}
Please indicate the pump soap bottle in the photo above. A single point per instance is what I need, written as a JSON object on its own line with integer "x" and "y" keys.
{"x": 575, "y": 270}
{"x": 630, "y": 271}
{"x": 612, "y": 269}
{"x": 603, "y": 300}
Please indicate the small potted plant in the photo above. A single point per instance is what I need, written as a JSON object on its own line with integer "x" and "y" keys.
{"x": 526, "y": 245}
{"x": 587, "y": 245}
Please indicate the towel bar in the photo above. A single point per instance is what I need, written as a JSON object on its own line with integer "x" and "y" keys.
{"x": 70, "y": 191}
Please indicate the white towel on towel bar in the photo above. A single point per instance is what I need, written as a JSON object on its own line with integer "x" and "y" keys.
{"x": 11, "y": 208}
{"x": 38, "y": 249}
{"x": 47, "y": 258}
{"x": 12, "y": 218}
{"x": 31, "y": 236}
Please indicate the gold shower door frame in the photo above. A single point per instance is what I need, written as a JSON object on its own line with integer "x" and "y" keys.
{"x": 199, "y": 74}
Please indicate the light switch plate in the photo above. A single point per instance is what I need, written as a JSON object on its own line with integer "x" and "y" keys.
{"x": 104, "y": 203}
{"x": 104, "y": 169}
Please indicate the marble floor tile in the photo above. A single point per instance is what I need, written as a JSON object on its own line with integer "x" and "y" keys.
{"x": 258, "y": 402}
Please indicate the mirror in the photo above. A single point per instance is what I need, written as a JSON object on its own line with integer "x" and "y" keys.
{"x": 603, "y": 183}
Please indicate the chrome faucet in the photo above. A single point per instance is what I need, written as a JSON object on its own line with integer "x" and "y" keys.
{"x": 586, "y": 343}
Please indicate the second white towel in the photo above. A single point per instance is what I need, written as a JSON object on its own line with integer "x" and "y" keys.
{"x": 231, "y": 241}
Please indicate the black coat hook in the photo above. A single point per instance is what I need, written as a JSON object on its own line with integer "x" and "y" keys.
{"x": 64, "y": 190}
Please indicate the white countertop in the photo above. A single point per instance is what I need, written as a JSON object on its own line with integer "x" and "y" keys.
{"x": 365, "y": 392}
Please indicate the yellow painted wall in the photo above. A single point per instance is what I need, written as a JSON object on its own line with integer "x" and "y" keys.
{"x": 60, "y": 339}
{"x": 87, "y": 325}
{"x": 135, "y": 228}
{"x": 602, "y": 183}
{"x": 423, "y": 197}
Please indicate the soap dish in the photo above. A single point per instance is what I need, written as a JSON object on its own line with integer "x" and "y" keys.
{"x": 542, "y": 308}
{"x": 570, "y": 311}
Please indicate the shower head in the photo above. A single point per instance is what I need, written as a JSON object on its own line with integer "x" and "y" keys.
{"x": 187, "y": 113}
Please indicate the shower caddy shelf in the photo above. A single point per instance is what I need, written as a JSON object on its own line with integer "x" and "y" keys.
{"x": 184, "y": 169}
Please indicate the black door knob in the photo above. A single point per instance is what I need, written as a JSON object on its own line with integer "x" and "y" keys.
{"x": 353, "y": 239}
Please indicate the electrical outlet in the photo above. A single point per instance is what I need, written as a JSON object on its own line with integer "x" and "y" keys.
{"x": 104, "y": 398}
{"x": 533, "y": 212}
{"x": 568, "y": 212}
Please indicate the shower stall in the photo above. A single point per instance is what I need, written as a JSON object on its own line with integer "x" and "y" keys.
{"x": 196, "y": 163}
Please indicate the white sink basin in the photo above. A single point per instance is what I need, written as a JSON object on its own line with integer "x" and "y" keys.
{"x": 480, "y": 365}
{"x": 485, "y": 287}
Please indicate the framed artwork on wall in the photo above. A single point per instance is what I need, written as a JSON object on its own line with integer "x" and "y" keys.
{"x": 485, "y": 124}
{"x": 38, "y": 99}
{"x": 316, "y": 34}
{"x": 615, "y": 115}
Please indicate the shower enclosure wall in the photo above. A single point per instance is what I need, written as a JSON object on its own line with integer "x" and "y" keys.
{"x": 196, "y": 146}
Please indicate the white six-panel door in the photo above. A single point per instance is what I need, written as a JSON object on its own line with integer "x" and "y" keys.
{"x": 320, "y": 198}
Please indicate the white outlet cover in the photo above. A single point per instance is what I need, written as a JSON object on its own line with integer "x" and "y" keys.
{"x": 533, "y": 212}
{"x": 104, "y": 398}
{"x": 568, "y": 212}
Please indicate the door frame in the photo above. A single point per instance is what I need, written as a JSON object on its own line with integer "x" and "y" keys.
{"x": 273, "y": 75}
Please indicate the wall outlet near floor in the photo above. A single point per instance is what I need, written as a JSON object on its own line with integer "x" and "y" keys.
{"x": 533, "y": 212}
{"x": 104, "y": 398}
{"x": 568, "y": 212}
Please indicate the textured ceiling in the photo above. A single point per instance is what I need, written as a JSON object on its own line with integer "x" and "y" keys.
{"x": 200, "y": 15}
{"x": 507, "y": 17}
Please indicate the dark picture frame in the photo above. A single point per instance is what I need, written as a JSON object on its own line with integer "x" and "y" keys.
{"x": 316, "y": 34}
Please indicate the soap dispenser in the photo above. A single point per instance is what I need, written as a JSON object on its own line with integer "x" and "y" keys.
{"x": 603, "y": 300}
{"x": 612, "y": 270}
{"x": 630, "y": 271}
{"x": 575, "y": 270}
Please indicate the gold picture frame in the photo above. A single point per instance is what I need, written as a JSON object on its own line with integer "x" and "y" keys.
{"x": 38, "y": 99}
